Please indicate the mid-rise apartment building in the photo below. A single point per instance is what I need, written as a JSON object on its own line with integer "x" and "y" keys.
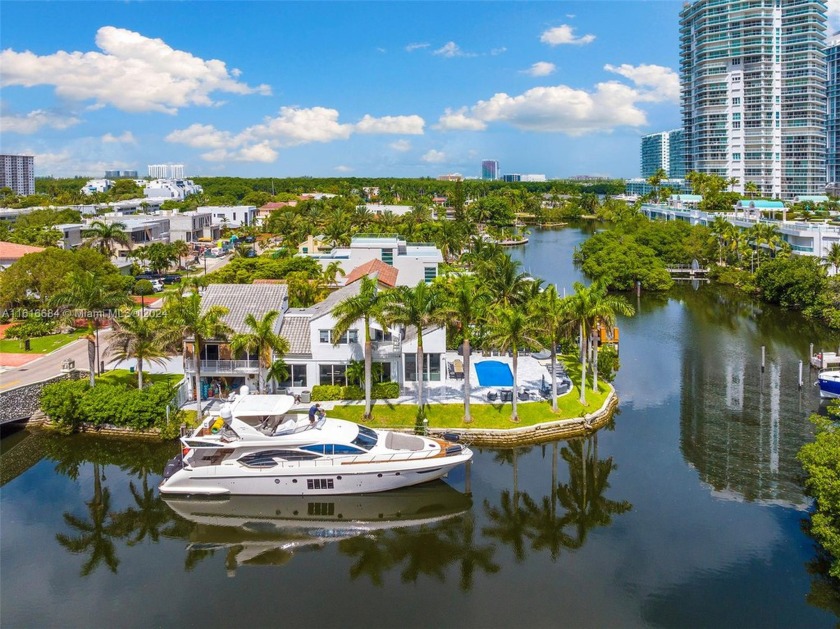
{"x": 18, "y": 173}
{"x": 663, "y": 150}
{"x": 753, "y": 93}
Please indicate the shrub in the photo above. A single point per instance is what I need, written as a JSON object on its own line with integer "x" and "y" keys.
{"x": 796, "y": 282}
{"x": 379, "y": 390}
{"x": 608, "y": 363}
{"x": 60, "y": 401}
{"x": 31, "y": 328}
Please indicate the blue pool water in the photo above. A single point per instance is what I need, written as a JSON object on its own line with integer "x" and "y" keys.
{"x": 492, "y": 373}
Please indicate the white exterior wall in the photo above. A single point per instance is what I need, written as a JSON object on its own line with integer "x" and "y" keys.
{"x": 236, "y": 215}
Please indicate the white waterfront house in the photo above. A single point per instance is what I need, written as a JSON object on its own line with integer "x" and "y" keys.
{"x": 171, "y": 189}
{"x": 315, "y": 356}
{"x": 413, "y": 261}
{"x": 97, "y": 185}
{"x": 231, "y": 215}
{"x": 191, "y": 226}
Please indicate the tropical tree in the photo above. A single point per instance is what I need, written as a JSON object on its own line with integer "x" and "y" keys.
{"x": 655, "y": 180}
{"x": 367, "y": 305}
{"x": 86, "y": 295}
{"x": 512, "y": 329}
{"x": 104, "y": 236}
{"x": 141, "y": 338}
{"x": 185, "y": 315}
{"x": 557, "y": 322}
{"x": 588, "y": 307}
{"x": 464, "y": 302}
{"x": 261, "y": 339}
{"x": 505, "y": 280}
{"x": 751, "y": 188}
{"x": 832, "y": 256}
{"x": 418, "y": 307}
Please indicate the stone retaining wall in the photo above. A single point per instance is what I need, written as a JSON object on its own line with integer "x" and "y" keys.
{"x": 40, "y": 420}
{"x": 23, "y": 402}
{"x": 539, "y": 433}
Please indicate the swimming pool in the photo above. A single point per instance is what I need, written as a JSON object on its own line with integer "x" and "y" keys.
{"x": 492, "y": 373}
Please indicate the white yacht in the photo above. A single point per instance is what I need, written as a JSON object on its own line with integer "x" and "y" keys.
{"x": 256, "y": 447}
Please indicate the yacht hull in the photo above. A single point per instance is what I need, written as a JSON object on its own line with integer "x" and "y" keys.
{"x": 353, "y": 478}
{"x": 829, "y": 383}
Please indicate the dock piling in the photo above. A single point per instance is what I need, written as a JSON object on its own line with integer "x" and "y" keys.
{"x": 800, "y": 374}
{"x": 762, "y": 358}
{"x": 810, "y": 355}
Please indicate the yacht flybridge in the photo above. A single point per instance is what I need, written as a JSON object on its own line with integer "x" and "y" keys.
{"x": 256, "y": 447}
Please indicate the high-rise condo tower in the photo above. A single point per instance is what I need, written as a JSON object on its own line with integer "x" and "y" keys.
{"x": 753, "y": 93}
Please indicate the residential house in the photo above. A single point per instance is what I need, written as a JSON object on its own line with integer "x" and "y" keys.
{"x": 71, "y": 235}
{"x": 415, "y": 262}
{"x": 192, "y": 227}
{"x": 265, "y": 211}
{"x": 232, "y": 216}
{"x": 11, "y": 252}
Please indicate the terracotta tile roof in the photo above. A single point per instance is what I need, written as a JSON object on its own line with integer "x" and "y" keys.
{"x": 385, "y": 273}
{"x": 244, "y": 299}
{"x": 276, "y": 205}
{"x": 14, "y": 251}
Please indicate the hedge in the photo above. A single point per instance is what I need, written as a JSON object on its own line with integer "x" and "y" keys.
{"x": 70, "y": 403}
{"x": 378, "y": 391}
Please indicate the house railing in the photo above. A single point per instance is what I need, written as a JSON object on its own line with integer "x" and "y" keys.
{"x": 223, "y": 366}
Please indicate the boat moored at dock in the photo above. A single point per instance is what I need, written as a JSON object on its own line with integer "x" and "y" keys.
{"x": 253, "y": 447}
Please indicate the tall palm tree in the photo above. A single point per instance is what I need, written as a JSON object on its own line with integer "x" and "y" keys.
{"x": 464, "y": 302}
{"x": 655, "y": 180}
{"x": 185, "y": 315}
{"x": 505, "y": 280}
{"x": 557, "y": 322}
{"x": 85, "y": 292}
{"x": 832, "y": 256}
{"x": 418, "y": 307}
{"x": 262, "y": 340}
{"x": 141, "y": 338}
{"x": 103, "y": 236}
{"x": 367, "y": 305}
{"x": 588, "y": 307}
{"x": 751, "y": 188}
{"x": 512, "y": 329}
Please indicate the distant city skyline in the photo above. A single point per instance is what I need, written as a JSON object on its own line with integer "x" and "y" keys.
{"x": 339, "y": 89}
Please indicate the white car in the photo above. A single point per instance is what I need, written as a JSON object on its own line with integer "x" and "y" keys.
{"x": 157, "y": 285}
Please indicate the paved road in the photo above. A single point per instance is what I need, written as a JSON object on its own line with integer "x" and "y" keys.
{"x": 48, "y": 365}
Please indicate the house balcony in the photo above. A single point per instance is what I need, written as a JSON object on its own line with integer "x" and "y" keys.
{"x": 210, "y": 367}
{"x": 386, "y": 349}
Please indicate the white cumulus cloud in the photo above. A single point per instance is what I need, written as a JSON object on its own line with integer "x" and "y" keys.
{"x": 564, "y": 34}
{"x": 408, "y": 125}
{"x": 541, "y": 68}
{"x": 34, "y": 121}
{"x": 660, "y": 83}
{"x": 132, "y": 72}
{"x": 459, "y": 120}
{"x": 451, "y": 49}
{"x": 291, "y": 127}
{"x": 416, "y": 46}
{"x": 401, "y": 145}
{"x": 833, "y": 16}
{"x": 344, "y": 169}
{"x": 434, "y": 157}
{"x": 124, "y": 138}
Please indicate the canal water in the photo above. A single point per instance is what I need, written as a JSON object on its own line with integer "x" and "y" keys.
{"x": 686, "y": 511}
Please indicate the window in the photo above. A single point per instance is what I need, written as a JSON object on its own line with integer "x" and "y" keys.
{"x": 266, "y": 457}
{"x": 388, "y": 256}
{"x": 431, "y": 371}
{"x": 319, "y": 483}
{"x": 297, "y": 376}
{"x": 736, "y": 100}
{"x": 353, "y": 336}
{"x": 429, "y": 273}
{"x": 736, "y": 125}
{"x": 332, "y": 374}
{"x": 320, "y": 508}
{"x": 324, "y": 336}
{"x": 332, "y": 448}
{"x": 736, "y": 156}
{"x": 366, "y": 438}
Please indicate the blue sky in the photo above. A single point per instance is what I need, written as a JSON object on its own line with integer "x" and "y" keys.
{"x": 331, "y": 89}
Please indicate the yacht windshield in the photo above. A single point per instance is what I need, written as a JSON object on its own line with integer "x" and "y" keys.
{"x": 366, "y": 438}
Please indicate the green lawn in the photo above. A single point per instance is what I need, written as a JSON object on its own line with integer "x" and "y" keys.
{"x": 41, "y": 344}
{"x": 125, "y": 377}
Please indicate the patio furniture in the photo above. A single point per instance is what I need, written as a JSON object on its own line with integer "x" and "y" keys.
{"x": 492, "y": 395}
{"x": 458, "y": 367}
{"x": 506, "y": 395}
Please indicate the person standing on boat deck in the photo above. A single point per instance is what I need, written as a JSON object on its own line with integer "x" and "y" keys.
{"x": 314, "y": 410}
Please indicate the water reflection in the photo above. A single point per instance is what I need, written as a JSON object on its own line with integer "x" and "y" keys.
{"x": 266, "y": 530}
{"x": 742, "y": 426}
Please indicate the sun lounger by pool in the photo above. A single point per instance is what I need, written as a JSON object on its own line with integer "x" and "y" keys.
{"x": 458, "y": 368}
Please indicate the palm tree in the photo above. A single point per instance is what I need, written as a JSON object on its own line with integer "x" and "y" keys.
{"x": 505, "y": 281}
{"x": 464, "y": 302}
{"x": 418, "y": 307}
{"x": 366, "y": 305}
{"x": 104, "y": 236}
{"x": 86, "y": 292}
{"x": 590, "y": 306}
{"x": 832, "y": 256}
{"x": 655, "y": 180}
{"x": 511, "y": 329}
{"x": 331, "y": 272}
{"x": 262, "y": 340}
{"x": 554, "y": 312}
{"x": 141, "y": 338}
{"x": 751, "y": 188}
{"x": 185, "y": 314}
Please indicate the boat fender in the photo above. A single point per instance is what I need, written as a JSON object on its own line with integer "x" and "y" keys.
{"x": 451, "y": 436}
{"x": 217, "y": 425}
